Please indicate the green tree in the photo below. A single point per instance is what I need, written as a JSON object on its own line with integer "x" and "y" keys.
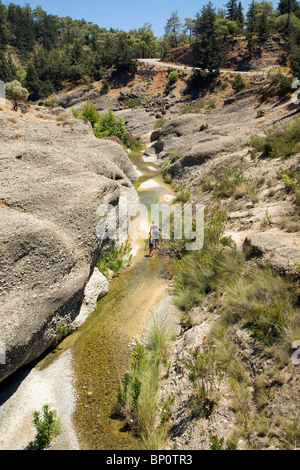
{"x": 211, "y": 51}
{"x": 32, "y": 82}
{"x": 288, "y": 7}
{"x": 47, "y": 425}
{"x": 16, "y": 93}
{"x": 189, "y": 27}
{"x": 109, "y": 124}
{"x": 173, "y": 29}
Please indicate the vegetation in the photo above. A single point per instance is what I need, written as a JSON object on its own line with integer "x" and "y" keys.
{"x": 280, "y": 141}
{"x": 47, "y": 425}
{"x": 108, "y": 126}
{"x": 137, "y": 397}
{"x": 238, "y": 83}
{"x": 115, "y": 259}
{"x": 16, "y": 93}
{"x": 205, "y": 375}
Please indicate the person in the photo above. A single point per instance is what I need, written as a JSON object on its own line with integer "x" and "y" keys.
{"x": 151, "y": 245}
{"x": 154, "y": 230}
{"x": 156, "y": 237}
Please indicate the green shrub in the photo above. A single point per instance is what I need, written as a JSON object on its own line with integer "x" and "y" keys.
{"x": 115, "y": 259}
{"x": 200, "y": 79}
{"x": 194, "y": 108}
{"x": 133, "y": 103}
{"x": 16, "y": 93}
{"x": 51, "y": 101}
{"x": 89, "y": 112}
{"x": 173, "y": 77}
{"x": 182, "y": 194}
{"x": 160, "y": 122}
{"x": 281, "y": 141}
{"x": 205, "y": 375}
{"x": 238, "y": 83}
{"x": 227, "y": 183}
{"x": 137, "y": 396}
{"x": 47, "y": 425}
{"x": 75, "y": 113}
{"x": 109, "y": 124}
{"x": 264, "y": 301}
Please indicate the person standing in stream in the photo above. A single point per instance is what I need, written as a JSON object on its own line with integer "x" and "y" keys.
{"x": 154, "y": 232}
{"x": 151, "y": 245}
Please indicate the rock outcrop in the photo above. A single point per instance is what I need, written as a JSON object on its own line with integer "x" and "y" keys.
{"x": 54, "y": 175}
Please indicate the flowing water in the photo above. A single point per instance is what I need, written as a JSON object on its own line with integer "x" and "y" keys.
{"x": 102, "y": 346}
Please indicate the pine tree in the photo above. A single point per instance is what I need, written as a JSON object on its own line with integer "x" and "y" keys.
{"x": 173, "y": 29}
{"x": 211, "y": 51}
{"x": 288, "y": 7}
{"x": 32, "y": 82}
{"x": 251, "y": 27}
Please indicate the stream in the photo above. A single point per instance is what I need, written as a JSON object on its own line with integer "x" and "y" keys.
{"x": 79, "y": 378}
{"x": 101, "y": 351}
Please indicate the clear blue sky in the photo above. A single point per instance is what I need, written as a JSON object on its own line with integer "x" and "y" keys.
{"x": 124, "y": 14}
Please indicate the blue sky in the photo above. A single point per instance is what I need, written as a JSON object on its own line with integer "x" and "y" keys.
{"x": 124, "y": 14}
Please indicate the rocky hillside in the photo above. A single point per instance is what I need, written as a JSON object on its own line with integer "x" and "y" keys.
{"x": 271, "y": 53}
{"x": 54, "y": 175}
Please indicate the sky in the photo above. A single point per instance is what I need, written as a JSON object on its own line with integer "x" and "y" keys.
{"x": 124, "y": 14}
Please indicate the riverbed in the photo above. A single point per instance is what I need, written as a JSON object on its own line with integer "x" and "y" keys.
{"x": 80, "y": 377}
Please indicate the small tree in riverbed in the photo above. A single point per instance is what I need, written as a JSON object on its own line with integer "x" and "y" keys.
{"x": 47, "y": 425}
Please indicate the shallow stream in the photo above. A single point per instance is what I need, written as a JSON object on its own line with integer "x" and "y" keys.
{"x": 102, "y": 346}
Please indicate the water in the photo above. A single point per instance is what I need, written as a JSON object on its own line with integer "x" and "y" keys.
{"x": 102, "y": 346}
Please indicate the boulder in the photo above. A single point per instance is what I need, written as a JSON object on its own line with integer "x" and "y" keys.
{"x": 53, "y": 178}
{"x": 279, "y": 249}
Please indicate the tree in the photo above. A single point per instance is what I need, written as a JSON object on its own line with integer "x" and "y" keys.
{"x": 32, "y": 82}
{"x": 288, "y": 7}
{"x": 16, "y": 93}
{"x": 3, "y": 25}
{"x": 211, "y": 50}
{"x": 189, "y": 27}
{"x": 251, "y": 27}
{"x": 109, "y": 124}
{"x": 173, "y": 29}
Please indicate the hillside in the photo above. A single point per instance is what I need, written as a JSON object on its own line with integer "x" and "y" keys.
{"x": 271, "y": 53}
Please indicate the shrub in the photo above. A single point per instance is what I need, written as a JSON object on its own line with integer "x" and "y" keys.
{"x": 205, "y": 375}
{"x": 182, "y": 194}
{"x": 51, "y": 101}
{"x": 133, "y": 103}
{"x": 47, "y": 425}
{"x": 109, "y": 124}
{"x": 115, "y": 259}
{"x": 89, "y": 111}
{"x": 281, "y": 141}
{"x": 238, "y": 83}
{"x": 263, "y": 300}
{"x": 200, "y": 79}
{"x": 105, "y": 84}
{"x": 160, "y": 122}
{"x": 227, "y": 183}
{"x": 137, "y": 396}
{"x": 173, "y": 77}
